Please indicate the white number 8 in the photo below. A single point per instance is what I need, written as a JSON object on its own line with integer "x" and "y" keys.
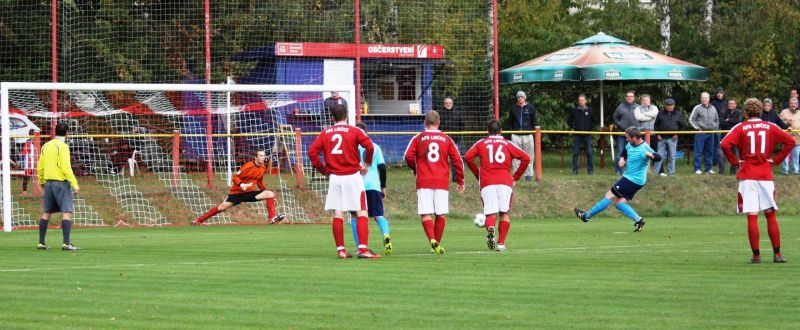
{"x": 433, "y": 152}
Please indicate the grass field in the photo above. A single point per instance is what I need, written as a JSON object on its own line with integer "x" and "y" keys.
{"x": 558, "y": 273}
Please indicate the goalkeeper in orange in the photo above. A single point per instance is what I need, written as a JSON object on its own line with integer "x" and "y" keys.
{"x": 250, "y": 176}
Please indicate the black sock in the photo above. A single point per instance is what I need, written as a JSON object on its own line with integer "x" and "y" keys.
{"x": 756, "y": 252}
{"x": 777, "y": 250}
{"x": 66, "y": 226}
{"x": 42, "y": 230}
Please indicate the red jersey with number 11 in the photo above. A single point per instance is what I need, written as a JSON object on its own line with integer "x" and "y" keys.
{"x": 339, "y": 143}
{"x": 756, "y": 139}
{"x": 496, "y": 154}
{"x": 427, "y": 154}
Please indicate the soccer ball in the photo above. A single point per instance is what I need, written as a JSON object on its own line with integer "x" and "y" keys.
{"x": 480, "y": 220}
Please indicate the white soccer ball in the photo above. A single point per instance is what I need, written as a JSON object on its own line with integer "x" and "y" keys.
{"x": 480, "y": 220}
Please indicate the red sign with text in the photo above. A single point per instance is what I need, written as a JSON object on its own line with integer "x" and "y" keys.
{"x": 319, "y": 49}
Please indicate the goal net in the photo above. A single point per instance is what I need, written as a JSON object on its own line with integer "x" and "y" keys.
{"x": 154, "y": 154}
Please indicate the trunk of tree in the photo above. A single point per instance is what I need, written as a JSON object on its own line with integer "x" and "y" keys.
{"x": 708, "y": 21}
{"x": 490, "y": 49}
{"x": 393, "y": 14}
{"x": 666, "y": 27}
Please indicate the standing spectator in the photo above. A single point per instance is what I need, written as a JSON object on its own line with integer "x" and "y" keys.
{"x": 720, "y": 102}
{"x": 624, "y": 118}
{"x": 645, "y": 113}
{"x": 770, "y": 115}
{"x": 731, "y": 116}
{"x": 582, "y": 118}
{"x": 451, "y": 121}
{"x": 523, "y": 118}
{"x": 756, "y": 141}
{"x": 704, "y": 117}
{"x": 792, "y": 93}
{"x": 670, "y": 119}
{"x": 55, "y": 174}
{"x": 335, "y": 99}
{"x": 791, "y": 116}
{"x": 29, "y": 155}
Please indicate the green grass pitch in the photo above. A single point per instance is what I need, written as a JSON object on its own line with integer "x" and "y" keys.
{"x": 558, "y": 273}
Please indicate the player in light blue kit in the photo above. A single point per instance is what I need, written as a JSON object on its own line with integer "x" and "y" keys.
{"x": 636, "y": 156}
{"x": 375, "y": 190}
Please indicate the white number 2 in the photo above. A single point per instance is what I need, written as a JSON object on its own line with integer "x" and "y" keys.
{"x": 763, "y": 137}
{"x": 433, "y": 152}
{"x": 496, "y": 157}
{"x": 337, "y": 149}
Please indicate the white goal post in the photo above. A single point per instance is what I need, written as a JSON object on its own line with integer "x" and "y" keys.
{"x": 347, "y": 91}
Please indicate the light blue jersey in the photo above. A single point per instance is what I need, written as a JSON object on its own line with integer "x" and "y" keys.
{"x": 372, "y": 181}
{"x": 637, "y": 164}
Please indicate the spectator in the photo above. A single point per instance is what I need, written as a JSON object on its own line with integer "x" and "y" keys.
{"x": 624, "y": 117}
{"x": 646, "y": 113}
{"x": 704, "y": 117}
{"x": 771, "y": 116}
{"x": 720, "y": 102}
{"x": 670, "y": 119}
{"x": 334, "y": 100}
{"x": 451, "y": 121}
{"x": 731, "y": 116}
{"x": 29, "y": 155}
{"x": 582, "y": 118}
{"x": 523, "y": 118}
{"x": 792, "y": 93}
{"x": 791, "y": 117}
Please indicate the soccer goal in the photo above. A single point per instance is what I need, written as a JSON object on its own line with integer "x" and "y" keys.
{"x": 155, "y": 154}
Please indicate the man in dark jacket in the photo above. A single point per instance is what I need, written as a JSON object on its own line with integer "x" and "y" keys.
{"x": 770, "y": 115}
{"x": 450, "y": 121}
{"x": 730, "y": 117}
{"x": 624, "y": 117}
{"x": 523, "y": 118}
{"x": 581, "y": 118}
{"x": 669, "y": 120}
{"x": 720, "y": 102}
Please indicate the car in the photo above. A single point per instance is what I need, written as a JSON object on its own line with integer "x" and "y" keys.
{"x": 21, "y": 126}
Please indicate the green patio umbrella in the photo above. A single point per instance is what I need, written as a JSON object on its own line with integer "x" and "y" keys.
{"x": 600, "y": 58}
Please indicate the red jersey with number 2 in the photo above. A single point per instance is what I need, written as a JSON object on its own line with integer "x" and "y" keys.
{"x": 756, "y": 139}
{"x": 496, "y": 154}
{"x": 429, "y": 154}
{"x": 339, "y": 143}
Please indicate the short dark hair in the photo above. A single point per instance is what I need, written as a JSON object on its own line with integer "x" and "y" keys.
{"x": 494, "y": 127}
{"x": 62, "y": 128}
{"x": 362, "y": 126}
{"x": 339, "y": 112}
{"x": 31, "y": 131}
{"x": 633, "y": 131}
{"x": 255, "y": 152}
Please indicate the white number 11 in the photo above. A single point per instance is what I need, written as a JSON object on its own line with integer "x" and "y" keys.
{"x": 763, "y": 137}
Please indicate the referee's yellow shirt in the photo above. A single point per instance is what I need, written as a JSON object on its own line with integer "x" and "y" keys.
{"x": 54, "y": 164}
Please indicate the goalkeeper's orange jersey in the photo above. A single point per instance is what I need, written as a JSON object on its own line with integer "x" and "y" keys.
{"x": 249, "y": 174}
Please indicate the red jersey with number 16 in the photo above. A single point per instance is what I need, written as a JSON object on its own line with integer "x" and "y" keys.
{"x": 427, "y": 154}
{"x": 496, "y": 154}
{"x": 340, "y": 146}
{"x": 756, "y": 139}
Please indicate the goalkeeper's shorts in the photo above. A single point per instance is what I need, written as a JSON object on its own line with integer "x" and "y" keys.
{"x": 247, "y": 197}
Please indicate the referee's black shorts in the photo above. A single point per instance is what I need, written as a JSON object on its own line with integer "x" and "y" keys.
{"x": 247, "y": 197}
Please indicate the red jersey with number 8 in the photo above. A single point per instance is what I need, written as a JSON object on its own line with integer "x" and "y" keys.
{"x": 496, "y": 154}
{"x": 339, "y": 143}
{"x": 756, "y": 139}
{"x": 429, "y": 154}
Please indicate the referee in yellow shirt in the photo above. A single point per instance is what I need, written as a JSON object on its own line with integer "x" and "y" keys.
{"x": 55, "y": 174}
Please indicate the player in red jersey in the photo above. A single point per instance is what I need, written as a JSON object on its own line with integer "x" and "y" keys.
{"x": 429, "y": 154}
{"x": 243, "y": 189}
{"x": 344, "y": 169}
{"x": 495, "y": 179}
{"x": 29, "y": 155}
{"x": 756, "y": 139}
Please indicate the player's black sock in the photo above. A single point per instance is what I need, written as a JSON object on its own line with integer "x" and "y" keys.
{"x": 776, "y": 250}
{"x": 756, "y": 252}
{"x": 66, "y": 227}
{"x": 42, "y": 230}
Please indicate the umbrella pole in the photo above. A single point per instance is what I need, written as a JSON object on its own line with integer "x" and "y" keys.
{"x": 602, "y": 110}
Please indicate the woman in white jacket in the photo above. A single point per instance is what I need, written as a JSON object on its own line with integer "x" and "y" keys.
{"x": 645, "y": 113}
